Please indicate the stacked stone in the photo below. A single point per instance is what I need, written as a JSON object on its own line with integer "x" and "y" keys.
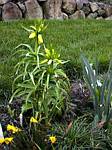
{"x": 54, "y": 9}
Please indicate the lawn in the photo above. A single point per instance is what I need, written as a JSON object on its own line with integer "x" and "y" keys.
{"x": 93, "y": 38}
{"x": 70, "y": 38}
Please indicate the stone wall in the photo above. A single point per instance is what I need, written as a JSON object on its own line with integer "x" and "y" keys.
{"x": 54, "y": 9}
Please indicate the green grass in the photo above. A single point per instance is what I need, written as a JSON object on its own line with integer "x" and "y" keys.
{"x": 70, "y": 38}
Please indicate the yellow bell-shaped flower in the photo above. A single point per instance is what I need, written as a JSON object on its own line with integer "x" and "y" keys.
{"x": 32, "y": 35}
{"x": 40, "y": 39}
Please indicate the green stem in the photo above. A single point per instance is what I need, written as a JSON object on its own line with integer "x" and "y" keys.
{"x": 36, "y": 44}
{"x": 52, "y": 147}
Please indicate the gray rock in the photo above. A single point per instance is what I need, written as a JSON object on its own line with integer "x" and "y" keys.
{"x": 99, "y": 18}
{"x": 86, "y": 9}
{"x": 22, "y": 7}
{"x": 92, "y": 15}
{"x": 11, "y": 12}
{"x": 0, "y": 13}
{"x": 33, "y": 9}
{"x": 80, "y": 3}
{"x": 101, "y": 5}
{"x": 52, "y": 9}
{"x": 69, "y": 6}
{"x": 101, "y": 12}
{"x": 109, "y": 18}
{"x": 94, "y": 6}
{"x": 65, "y": 16}
{"x": 108, "y": 10}
{"x": 48, "y": 8}
{"x": 57, "y": 9}
{"x": 4, "y": 1}
{"x": 41, "y": 0}
{"x": 79, "y": 14}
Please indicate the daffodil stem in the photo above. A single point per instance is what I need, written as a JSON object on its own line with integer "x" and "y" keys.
{"x": 52, "y": 147}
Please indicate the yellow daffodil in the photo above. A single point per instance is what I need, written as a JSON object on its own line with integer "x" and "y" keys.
{"x": 52, "y": 139}
{"x": 40, "y": 39}
{"x": 8, "y": 140}
{"x": 33, "y": 120}
{"x": 13, "y": 128}
{"x": 32, "y": 35}
{"x": 2, "y": 140}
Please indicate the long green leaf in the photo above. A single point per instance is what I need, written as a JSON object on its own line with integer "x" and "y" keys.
{"x": 25, "y": 45}
{"x": 13, "y": 95}
{"x": 91, "y": 79}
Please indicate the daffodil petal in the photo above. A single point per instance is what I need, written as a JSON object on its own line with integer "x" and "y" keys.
{"x": 33, "y": 120}
{"x": 2, "y": 140}
{"x": 8, "y": 140}
{"x": 13, "y": 128}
